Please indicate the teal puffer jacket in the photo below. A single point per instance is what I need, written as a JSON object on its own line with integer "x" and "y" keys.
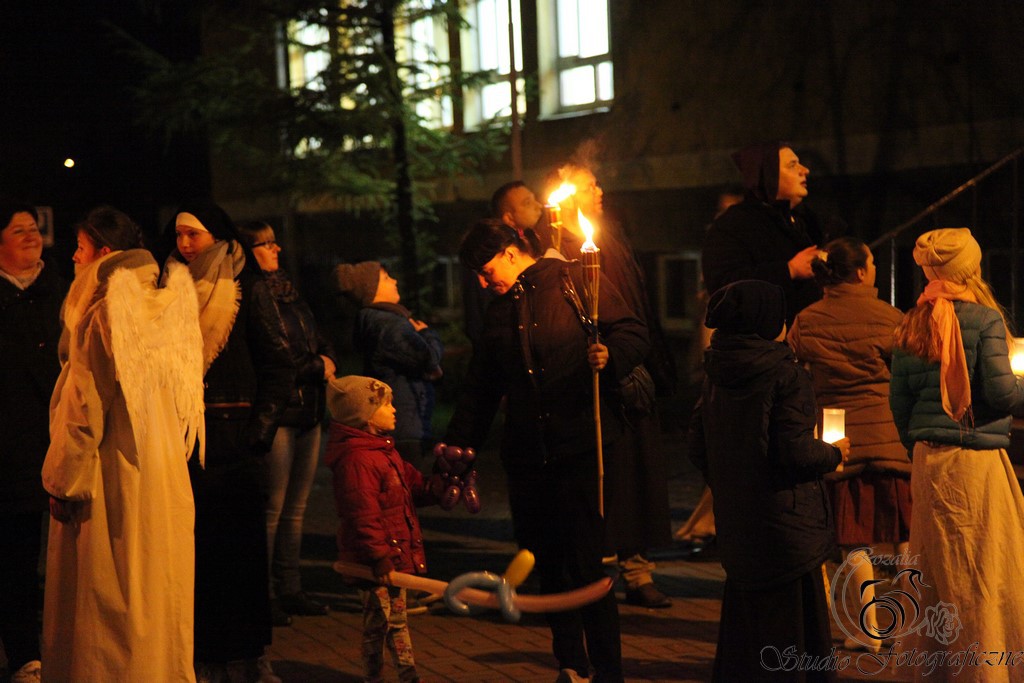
{"x": 916, "y": 399}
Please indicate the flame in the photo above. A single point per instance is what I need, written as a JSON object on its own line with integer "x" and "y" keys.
{"x": 588, "y": 232}
{"x": 564, "y": 191}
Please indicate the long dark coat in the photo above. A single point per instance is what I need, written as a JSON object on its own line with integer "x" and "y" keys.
{"x": 29, "y": 332}
{"x": 752, "y": 436}
{"x": 248, "y": 386}
{"x": 534, "y": 351}
{"x": 754, "y": 240}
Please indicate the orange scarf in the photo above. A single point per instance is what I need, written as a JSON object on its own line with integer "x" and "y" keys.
{"x": 954, "y": 379}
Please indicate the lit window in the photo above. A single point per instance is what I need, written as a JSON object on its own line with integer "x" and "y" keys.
{"x": 308, "y": 55}
{"x": 575, "y": 52}
{"x": 485, "y": 48}
{"x": 423, "y": 52}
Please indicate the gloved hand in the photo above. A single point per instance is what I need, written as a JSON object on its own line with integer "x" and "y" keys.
{"x": 454, "y": 477}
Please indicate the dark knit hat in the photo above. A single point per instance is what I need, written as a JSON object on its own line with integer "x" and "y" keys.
{"x": 359, "y": 282}
{"x": 352, "y": 400}
{"x": 748, "y": 307}
{"x": 759, "y": 166}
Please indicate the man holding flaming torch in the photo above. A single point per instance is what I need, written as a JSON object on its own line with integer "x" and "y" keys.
{"x": 535, "y": 353}
{"x": 635, "y": 482}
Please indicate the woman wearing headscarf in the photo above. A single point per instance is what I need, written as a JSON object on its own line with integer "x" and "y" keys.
{"x": 125, "y": 416}
{"x": 249, "y": 377}
{"x": 952, "y": 392}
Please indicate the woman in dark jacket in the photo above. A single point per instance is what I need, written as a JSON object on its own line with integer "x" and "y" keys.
{"x": 536, "y": 353}
{"x": 752, "y": 437}
{"x": 30, "y": 296}
{"x": 249, "y": 379}
{"x": 397, "y": 349}
{"x": 292, "y": 460}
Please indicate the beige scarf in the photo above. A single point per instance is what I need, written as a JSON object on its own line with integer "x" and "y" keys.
{"x": 954, "y": 379}
{"x": 215, "y": 271}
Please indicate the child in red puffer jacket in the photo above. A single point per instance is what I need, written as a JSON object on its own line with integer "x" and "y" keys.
{"x": 376, "y": 493}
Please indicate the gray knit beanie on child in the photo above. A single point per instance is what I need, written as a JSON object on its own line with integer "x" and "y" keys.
{"x": 352, "y": 400}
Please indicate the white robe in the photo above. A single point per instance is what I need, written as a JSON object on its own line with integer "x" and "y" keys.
{"x": 967, "y": 530}
{"x": 124, "y": 418}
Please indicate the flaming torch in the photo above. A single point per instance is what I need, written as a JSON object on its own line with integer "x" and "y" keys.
{"x": 590, "y": 256}
{"x": 554, "y": 209}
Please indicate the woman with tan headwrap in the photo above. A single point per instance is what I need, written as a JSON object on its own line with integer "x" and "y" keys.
{"x": 952, "y": 392}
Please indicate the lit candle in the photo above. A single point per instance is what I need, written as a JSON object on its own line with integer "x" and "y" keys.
{"x": 1017, "y": 356}
{"x": 833, "y": 424}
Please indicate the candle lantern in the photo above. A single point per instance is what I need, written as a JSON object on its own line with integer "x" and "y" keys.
{"x": 1017, "y": 356}
{"x": 833, "y": 424}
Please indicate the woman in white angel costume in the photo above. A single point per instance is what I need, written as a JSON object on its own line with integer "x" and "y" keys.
{"x": 124, "y": 419}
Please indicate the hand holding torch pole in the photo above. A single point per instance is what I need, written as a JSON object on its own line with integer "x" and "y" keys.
{"x": 590, "y": 256}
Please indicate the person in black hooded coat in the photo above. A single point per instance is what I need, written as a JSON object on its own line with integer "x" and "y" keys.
{"x": 769, "y": 235}
{"x": 752, "y": 435}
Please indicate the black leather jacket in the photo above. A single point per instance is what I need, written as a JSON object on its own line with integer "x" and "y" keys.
{"x": 253, "y": 376}
{"x": 305, "y": 347}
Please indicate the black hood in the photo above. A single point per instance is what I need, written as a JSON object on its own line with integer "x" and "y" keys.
{"x": 759, "y": 166}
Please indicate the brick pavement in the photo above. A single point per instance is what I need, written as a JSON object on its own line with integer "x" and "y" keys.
{"x": 672, "y": 645}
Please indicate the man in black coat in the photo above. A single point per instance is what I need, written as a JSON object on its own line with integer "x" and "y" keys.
{"x": 768, "y": 236}
{"x": 536, "y": 354}
{"x": 636, "y": 484}
{"x": 30, "y": 297}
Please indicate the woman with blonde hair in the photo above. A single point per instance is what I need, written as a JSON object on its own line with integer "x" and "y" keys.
{"x": 952, "y": 392}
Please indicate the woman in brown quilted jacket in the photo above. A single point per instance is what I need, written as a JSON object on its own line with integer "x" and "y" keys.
{"x": 846, "y": 341}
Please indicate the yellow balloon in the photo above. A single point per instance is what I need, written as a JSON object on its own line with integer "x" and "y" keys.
{"x": 519, "y": 568}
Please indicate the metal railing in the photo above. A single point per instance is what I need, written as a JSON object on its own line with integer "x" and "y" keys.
{"x": 892, "y": 237}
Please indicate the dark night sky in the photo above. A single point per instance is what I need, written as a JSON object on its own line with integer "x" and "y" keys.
{"x": 66, "y": 93}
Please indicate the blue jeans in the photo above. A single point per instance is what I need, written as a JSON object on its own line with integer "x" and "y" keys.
{"x": 291, "y": 465}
